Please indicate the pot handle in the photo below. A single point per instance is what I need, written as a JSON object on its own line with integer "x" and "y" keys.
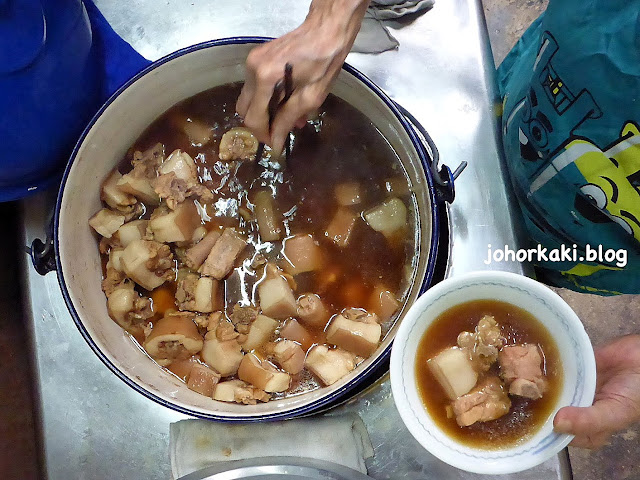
{"x": 43, "y": 254}
{"x": 442, "y": 177}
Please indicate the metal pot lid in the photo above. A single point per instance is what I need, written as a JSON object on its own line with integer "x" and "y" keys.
{"x": 276, "y": 468}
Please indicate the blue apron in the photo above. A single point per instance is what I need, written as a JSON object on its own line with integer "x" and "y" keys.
{"x": 571, "y": 133}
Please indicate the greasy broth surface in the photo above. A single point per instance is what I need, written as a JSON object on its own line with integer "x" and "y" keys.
{"x": 525, "y": 416}
{"x": 340, "y": 146}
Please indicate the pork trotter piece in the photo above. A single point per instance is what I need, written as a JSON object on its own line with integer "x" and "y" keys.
{"x": 487, "y": 401}
{"x": 223, "y": 255}
{"x": 521, "y": 369}
{"x": 174, "y": 337}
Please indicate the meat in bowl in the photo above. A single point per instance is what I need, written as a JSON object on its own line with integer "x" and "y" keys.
{"x": 488, "y": 373}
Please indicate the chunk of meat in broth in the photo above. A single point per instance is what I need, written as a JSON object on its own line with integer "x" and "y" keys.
{"x": 174, "y": 337}
{"x": 239, "y": 392}
{"x": 223, "y": 254}
{"x": 134, "y": 230}
{"x": 237, "y": 144}
{"x": 341, "y": 227}
{"x": 128, "y": 308}
{"x": 114, "y": 274}
{"x": 148, "y": 263}
{"x": 388, "y": 218}
{"x": 302, "y": 254}
{"x": 202, "y": 379}
{"x": 312, "y": 311}
{"x": 383, "y": 303}
{"x": 198, "y": 253}
{"x": 198, "y": 294}
{"x": 171, "y": 189}
{"x": 178, "y": 179}
{"x": 276, "y": 297}
{"x": 348, "y": 193}
{"x": 107, "y": 222}
{"x": 292, "y": 330}
{"x": 221, "y": 349}
{"x": 243, "y": 316}
{"x": 177, "y": 225}
{"x": 520, "y": 367}
{"x": 260, "y": 332}
{"x": 138, "y": 181}
{"x": 355, "y": 331}
{"x": 114, "y": 197}
{"x": 454, "y": 371}
{"x": 330, "y": 365}
{"x": 262, "y": 374}
{"x": 488, "y": 401}
{"x": 484, "y": 343}
{"x": 288, "y": 354}
{"x": 199, "y": 133}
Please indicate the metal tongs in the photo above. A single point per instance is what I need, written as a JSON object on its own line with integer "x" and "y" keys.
{"x": 281, "y": 93}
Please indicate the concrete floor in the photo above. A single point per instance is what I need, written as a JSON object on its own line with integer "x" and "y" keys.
{"x": 507, "y": 20}
{"x": 604, "y": 318}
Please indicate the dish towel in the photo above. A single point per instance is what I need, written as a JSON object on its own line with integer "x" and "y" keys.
{"x": 374, "y": 36}
{"x": 197, "y": 444}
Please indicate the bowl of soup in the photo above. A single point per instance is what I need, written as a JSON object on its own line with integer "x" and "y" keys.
{"x": 232, "y": 287}
{"x": 481, "y": 364}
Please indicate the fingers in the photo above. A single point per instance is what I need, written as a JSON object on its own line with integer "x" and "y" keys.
{"x": 301, "y": 122}
{"x": 301, "y": 103}
{"x": 242, "y": 105}
{"x": 256, "y": 117}
{"x": 253, "y": 103}
{"x": 592, "y": 426}
{"x": 284, "y": 122}
{"x": 316, "y": 64}
{"x": 591, "y": 442}
{"x": 623, "y": 351}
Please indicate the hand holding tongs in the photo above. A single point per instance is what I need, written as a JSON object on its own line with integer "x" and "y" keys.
{"x": 284, "y": 86}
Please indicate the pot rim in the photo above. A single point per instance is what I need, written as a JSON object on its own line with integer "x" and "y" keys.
{"x": 325, "y": 401}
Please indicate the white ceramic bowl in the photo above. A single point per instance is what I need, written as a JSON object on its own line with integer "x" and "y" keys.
{"x": 574, "y": 346}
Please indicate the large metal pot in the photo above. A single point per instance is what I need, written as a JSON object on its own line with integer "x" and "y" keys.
{"x": 105, "y": 141}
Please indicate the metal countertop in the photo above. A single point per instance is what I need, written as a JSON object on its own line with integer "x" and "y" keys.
{"x": 93, "y": 426}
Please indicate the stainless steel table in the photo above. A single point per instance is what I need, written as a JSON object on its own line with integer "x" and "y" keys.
{"x": 93, "y": 426}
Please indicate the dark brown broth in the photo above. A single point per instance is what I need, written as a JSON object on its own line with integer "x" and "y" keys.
{"x": 342, "y": 145}
{"x": 525, "y": 416}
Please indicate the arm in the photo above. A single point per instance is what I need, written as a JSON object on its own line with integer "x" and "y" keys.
{"x": 617, "y": 401}
{"x": 317, "y": 50}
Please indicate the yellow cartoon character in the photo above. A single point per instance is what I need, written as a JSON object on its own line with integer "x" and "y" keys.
{"x": 613, "y": 177}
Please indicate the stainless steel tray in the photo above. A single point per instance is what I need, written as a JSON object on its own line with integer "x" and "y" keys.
{"x": 92, "y": 425}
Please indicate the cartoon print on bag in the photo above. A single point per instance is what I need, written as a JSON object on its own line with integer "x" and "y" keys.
{"x": 612, "y": 175}
{"x": 549, "y": 99}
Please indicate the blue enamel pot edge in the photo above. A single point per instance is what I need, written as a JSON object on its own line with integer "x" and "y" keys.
{"x": 435, "y": 198}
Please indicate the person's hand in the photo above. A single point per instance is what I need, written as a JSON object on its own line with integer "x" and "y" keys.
{"x": 316, "y": 50}
{"x": 617, "y": 401}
